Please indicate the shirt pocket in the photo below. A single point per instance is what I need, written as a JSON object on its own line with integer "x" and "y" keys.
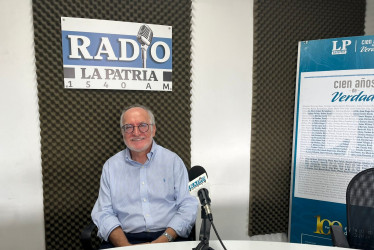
{"x": 163, "y": 188}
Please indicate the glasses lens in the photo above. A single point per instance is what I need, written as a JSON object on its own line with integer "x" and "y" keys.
{"x": 128, "y": 128}
{"x": 143, "y": 127}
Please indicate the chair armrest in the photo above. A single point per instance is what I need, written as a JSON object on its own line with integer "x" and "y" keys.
{"x": 86, "y": 236}
{"x": 338, "y": 237}
{"x": 192, "y": 235}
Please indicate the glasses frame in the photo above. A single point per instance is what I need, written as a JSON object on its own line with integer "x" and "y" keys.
{"x": 133, "y": 127}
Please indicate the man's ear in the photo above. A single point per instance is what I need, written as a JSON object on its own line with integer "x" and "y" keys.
{"x": 122, "y": 132}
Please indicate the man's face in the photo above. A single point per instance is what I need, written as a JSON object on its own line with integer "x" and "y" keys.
{"x": 138, "y": 141}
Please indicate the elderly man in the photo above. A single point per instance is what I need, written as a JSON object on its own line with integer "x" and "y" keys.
{"x": 143, "y": 195}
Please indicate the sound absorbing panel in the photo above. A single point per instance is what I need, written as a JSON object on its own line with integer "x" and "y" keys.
{"x": 278, "y": 27}
{"x": 80, "y": 128}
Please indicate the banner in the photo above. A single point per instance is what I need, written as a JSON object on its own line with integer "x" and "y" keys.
{"x": 333, "y": 132}
{"x": 102, "y": 54}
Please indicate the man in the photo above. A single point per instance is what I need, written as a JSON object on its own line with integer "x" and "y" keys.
{"x": 143, "y": 195}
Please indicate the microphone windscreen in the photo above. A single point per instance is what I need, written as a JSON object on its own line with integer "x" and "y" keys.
{"x": 195, "y": 172}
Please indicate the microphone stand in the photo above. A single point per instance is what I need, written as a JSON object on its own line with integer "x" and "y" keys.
{"x": 204, "y": 232}
{"x": 144, "y": 48}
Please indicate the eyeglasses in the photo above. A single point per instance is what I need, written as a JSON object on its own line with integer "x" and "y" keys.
{"x": 142, "y": 127}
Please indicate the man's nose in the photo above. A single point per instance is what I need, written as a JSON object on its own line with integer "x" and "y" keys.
{"x": 136, "y": 130}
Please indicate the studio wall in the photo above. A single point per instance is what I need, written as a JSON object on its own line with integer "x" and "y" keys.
{"x": 278, "y": 27}
{"x": 80, "y": 127}
{"x": 221, "y": 94}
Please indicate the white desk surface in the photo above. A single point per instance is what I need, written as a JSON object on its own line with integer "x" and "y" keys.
{"x": 230, "y": 245}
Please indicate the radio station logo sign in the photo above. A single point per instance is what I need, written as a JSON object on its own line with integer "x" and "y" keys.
{"x": 102, "y": 54}
{"x": 340, "y": 49}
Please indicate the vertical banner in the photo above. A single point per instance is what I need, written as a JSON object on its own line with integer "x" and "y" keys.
{"x": 103, "y": 54}
{"x": 333, "y": 132}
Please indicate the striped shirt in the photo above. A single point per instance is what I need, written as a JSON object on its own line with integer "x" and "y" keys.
{"x": 145, "y": 197}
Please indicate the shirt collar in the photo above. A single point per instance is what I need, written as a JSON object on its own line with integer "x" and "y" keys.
{"x": 153, "y": 149}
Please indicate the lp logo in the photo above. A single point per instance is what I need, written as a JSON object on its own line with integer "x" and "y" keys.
{"x": 341, "y": 49}
{"x": 320, "y": 225}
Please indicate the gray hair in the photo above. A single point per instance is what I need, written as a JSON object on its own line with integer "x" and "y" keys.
{"x": 149, "y": 111}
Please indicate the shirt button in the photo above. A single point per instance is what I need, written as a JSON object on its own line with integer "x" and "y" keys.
{"x": 143, "y": 182}
{"x": 145, "y": 200}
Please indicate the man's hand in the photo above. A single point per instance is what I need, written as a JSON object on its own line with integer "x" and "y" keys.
{"x": 163, "y": 239}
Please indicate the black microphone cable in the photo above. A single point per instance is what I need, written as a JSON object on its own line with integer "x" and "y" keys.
{"x": 205, "y": 202}
{"x": 219, "y": 238}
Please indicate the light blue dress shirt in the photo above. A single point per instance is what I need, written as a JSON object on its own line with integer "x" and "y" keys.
{"x": 144, "y": 197}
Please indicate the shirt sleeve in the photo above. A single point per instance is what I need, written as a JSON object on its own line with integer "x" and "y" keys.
{"x": 185, "y": 218}
{"x": 102, "y": 214}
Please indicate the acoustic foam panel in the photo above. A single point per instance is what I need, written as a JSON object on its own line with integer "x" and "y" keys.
{"x": 80, "y": 128}
{"x": 278, "y": 27}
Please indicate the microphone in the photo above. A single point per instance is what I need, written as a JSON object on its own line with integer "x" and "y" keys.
{"x": 198, "y": 186}
{"x": 145, "y": 35}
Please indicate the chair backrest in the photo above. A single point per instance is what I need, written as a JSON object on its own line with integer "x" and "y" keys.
{"x": 360, "y": 210}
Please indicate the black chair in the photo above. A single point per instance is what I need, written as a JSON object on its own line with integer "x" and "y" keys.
{"x": 90, "y": 240}
{"x": 360, "y": 214}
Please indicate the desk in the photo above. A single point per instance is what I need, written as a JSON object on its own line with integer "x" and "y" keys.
{"x": 230, "y": 245}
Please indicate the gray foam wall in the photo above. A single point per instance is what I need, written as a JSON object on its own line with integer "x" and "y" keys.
{"x": 80, "y": 128}
{"x": 278, "y": 27}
